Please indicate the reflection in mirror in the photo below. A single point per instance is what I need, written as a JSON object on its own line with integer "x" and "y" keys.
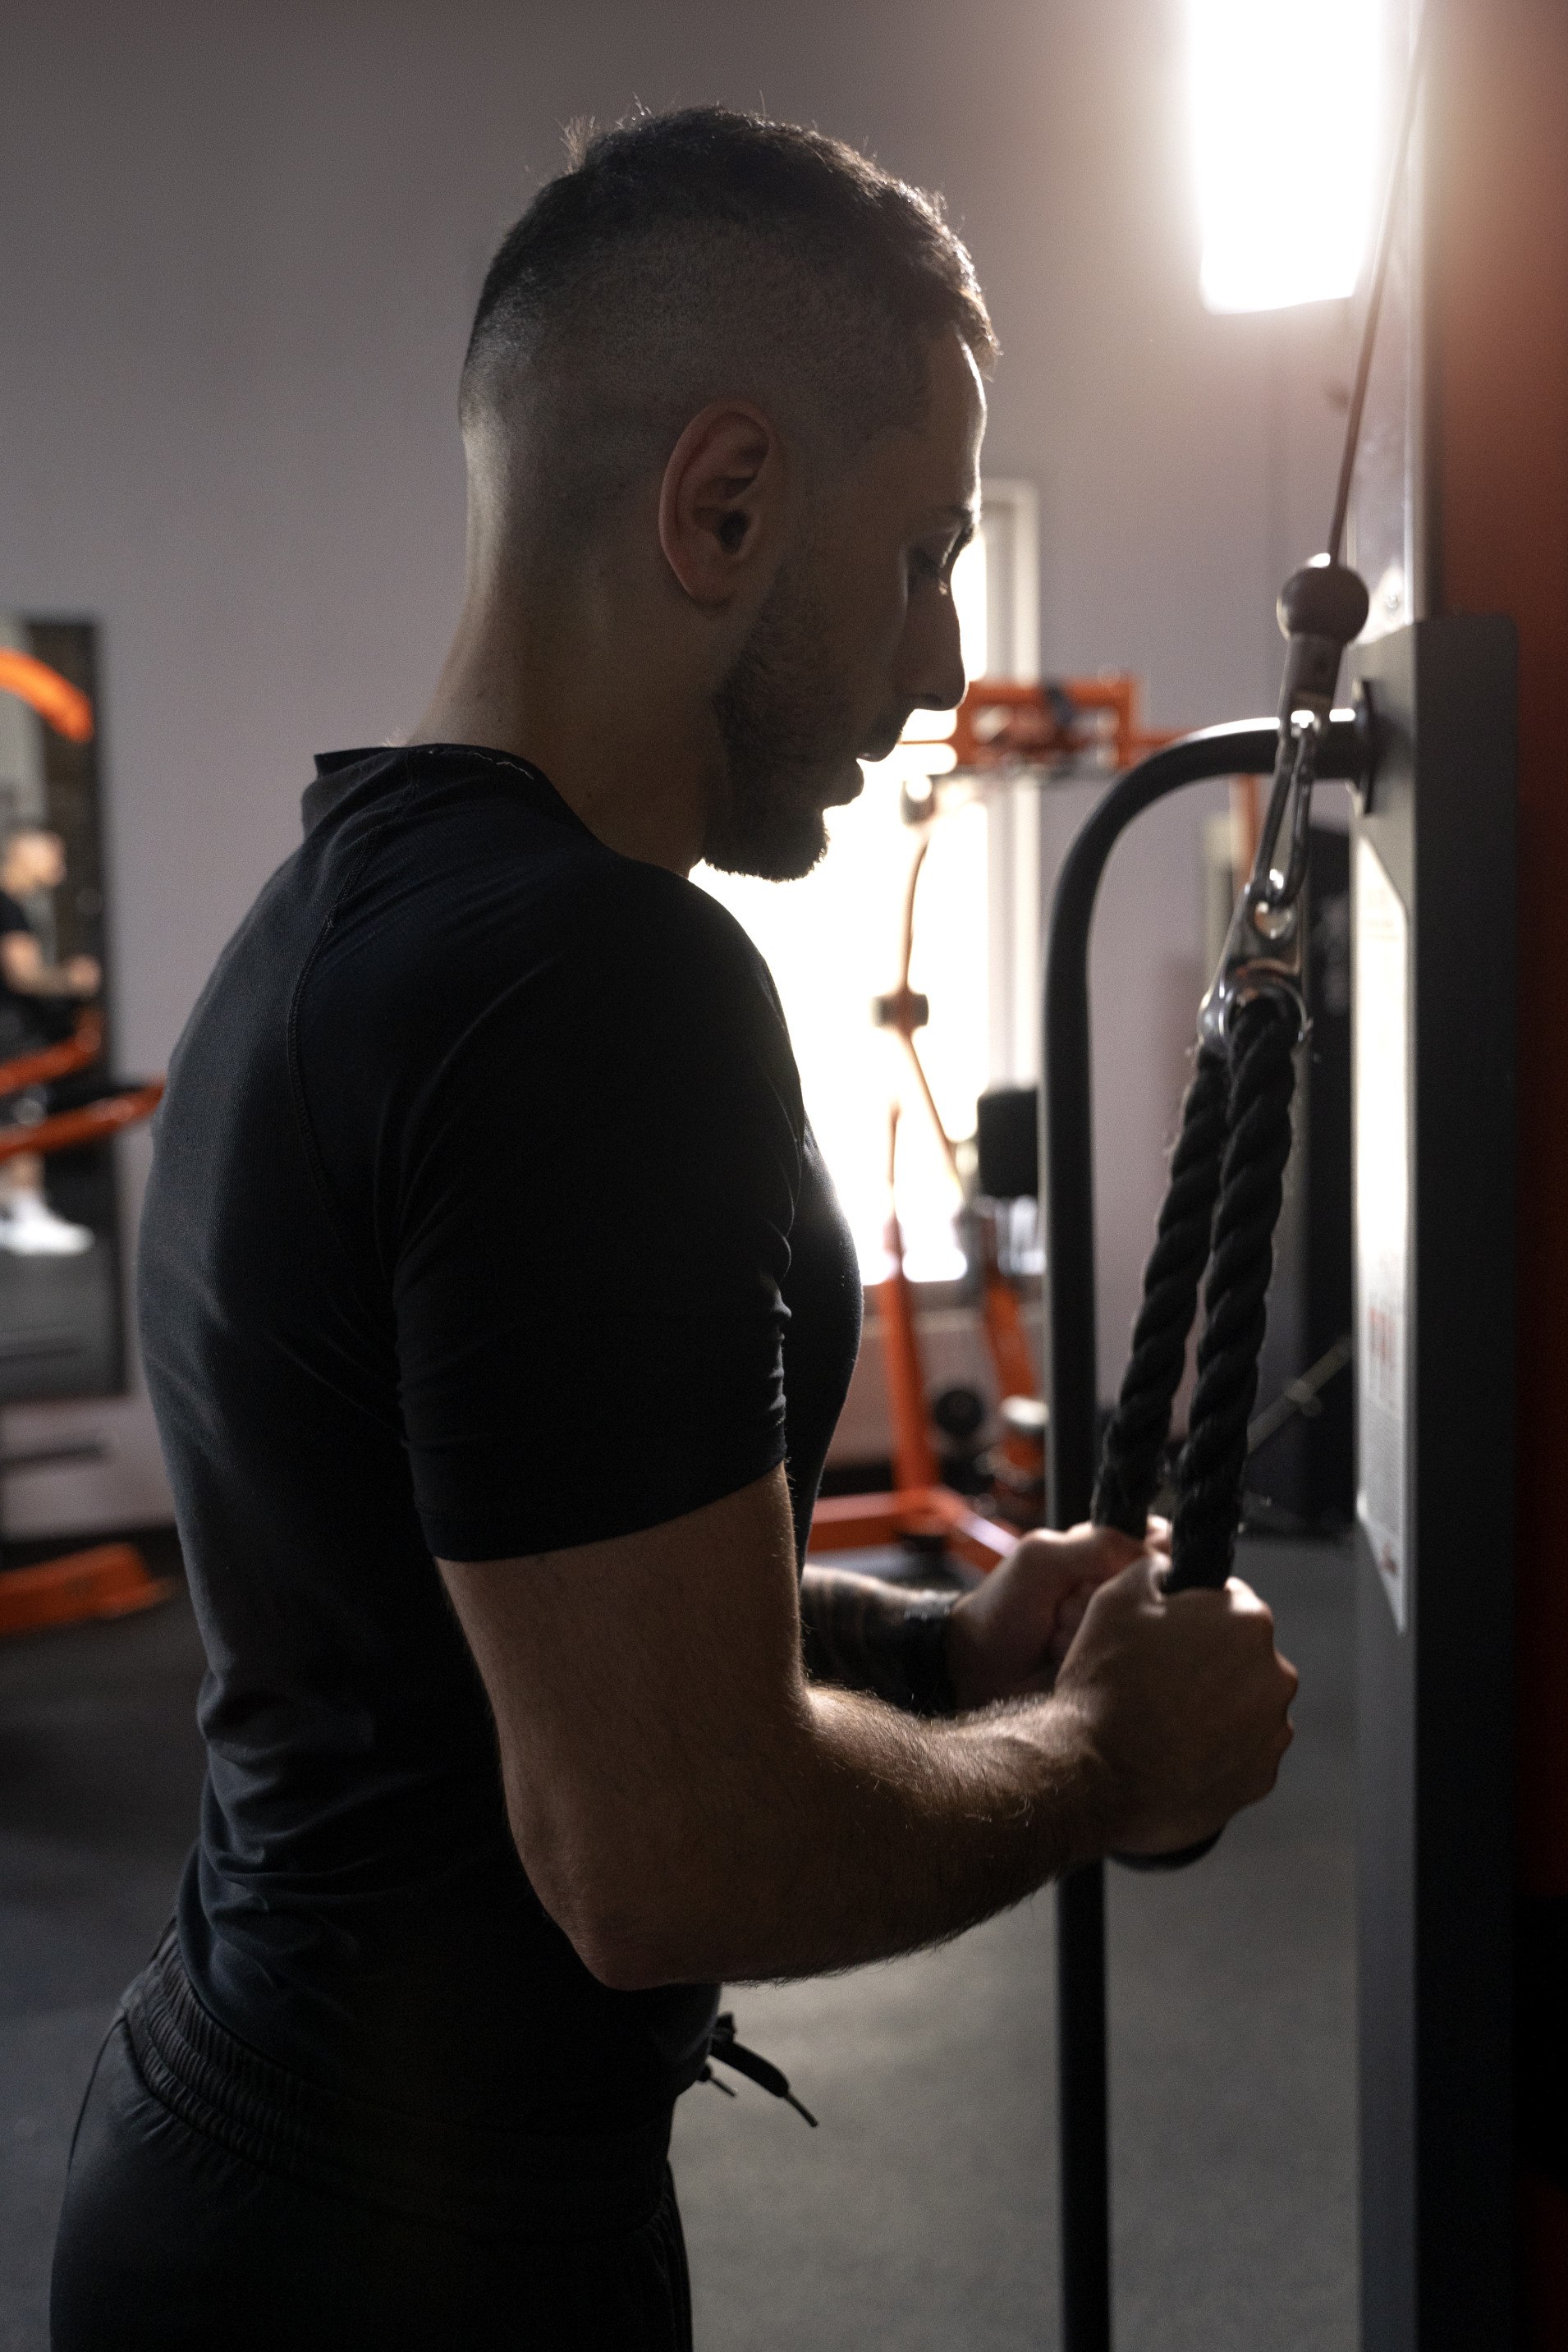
{"x": 60, "y": 1322}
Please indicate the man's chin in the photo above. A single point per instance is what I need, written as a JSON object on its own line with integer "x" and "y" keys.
{"x": 778, "y": 852}
{"x": 854, "y": 785}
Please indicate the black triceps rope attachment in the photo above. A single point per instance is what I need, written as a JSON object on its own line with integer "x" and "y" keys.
{"x": 1228, "y": 1167}
{"x": 1222, "y": 1205}
{"x": 1251, "y": 1189}
{"x": 1228, "y": 1170}
{"x": 1133, "y": 1454}
{"x": 1220, "y": 1211}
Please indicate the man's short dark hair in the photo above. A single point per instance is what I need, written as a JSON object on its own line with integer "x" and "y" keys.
{"x": 690, "y": 255}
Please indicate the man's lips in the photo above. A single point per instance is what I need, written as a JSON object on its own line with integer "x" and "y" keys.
{"x": 885, "y": 743}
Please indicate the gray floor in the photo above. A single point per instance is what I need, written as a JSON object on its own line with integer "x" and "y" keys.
{"x": 921, "y": 2214}
{"x": 99, "y": 1766}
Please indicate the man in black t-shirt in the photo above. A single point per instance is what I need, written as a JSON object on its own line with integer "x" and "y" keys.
{"x": 497, "y": 1312}
{"x": 38, "y": 1000}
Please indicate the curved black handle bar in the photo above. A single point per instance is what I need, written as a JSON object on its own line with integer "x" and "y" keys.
{"x": 1067, "y": 1166}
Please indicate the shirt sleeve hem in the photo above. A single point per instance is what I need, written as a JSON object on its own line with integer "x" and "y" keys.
{"x": 463, "y": 1539}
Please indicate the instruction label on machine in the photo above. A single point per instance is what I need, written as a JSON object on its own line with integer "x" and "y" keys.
{"x": 1381, "y": 985}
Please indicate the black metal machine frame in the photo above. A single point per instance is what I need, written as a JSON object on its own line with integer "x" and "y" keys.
{"x": 1067, "y": 1173}
{"x": 1430, "y": 747}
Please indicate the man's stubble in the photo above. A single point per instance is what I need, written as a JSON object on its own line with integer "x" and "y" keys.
{"x": 788, "y": 732}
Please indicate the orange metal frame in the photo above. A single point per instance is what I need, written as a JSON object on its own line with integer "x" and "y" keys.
{"x": 919, "y": 1504}
{"x": 63, "y": 706}
{"x": 66, "y": 1129}
{"x": 1001, "y": 724}
{"x": 74, "y": 1053}
{"x": 107, "y": 1581}
{"x": 864, "y": 1522}
{"x": 1004, "y": 724}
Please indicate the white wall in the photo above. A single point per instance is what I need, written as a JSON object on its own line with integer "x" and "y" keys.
{"x": 240, "y": 248}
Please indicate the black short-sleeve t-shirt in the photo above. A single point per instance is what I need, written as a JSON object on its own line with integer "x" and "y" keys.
{"x": 485, "y": 1221}
{"x": 13, "y": 918}
{"x": 23, "y": 1017}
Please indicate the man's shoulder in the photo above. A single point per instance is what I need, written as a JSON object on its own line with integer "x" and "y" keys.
{"x": 633, "y": 944}
{"x": 647, "y": 911}
{"x": 453, "y": 852}
{"x": 572, "y": 914}
{"x": 476, "y": 911}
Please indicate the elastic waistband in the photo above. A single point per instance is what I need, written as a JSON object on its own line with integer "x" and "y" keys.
{"x": 596, "y": 2185}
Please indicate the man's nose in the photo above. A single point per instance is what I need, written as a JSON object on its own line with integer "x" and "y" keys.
{"x": 936, "y": 676}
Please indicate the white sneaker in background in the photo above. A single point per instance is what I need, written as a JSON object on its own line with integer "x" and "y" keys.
{"x": 29, "y": 1228}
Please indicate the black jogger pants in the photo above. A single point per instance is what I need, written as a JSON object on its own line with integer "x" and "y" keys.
{"x": 216, "y": 2204}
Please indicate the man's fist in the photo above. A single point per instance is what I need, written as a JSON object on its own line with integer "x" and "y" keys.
{"x": 1008, "y": 1638}
{"x": 1186, "y": 1702}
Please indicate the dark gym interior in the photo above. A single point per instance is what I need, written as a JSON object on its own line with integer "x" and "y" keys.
{"x": 1250, "y": 266}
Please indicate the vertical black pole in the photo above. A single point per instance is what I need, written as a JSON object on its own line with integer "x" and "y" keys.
{"x": 1066, "y": 1204}
{"x": 1081, "y": 2090}
{"x": 1067, "y": 1175}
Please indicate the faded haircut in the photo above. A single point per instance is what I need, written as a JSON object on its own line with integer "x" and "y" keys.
{"x": 687, "y": 257}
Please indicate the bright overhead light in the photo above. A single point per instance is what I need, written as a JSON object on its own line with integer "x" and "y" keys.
{"x": 1286, "y": 100}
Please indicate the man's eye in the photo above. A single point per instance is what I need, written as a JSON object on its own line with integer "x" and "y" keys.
{"x": 926, "y": 566}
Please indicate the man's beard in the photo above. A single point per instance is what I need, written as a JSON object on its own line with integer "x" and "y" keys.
{"x": 787, "y": 728}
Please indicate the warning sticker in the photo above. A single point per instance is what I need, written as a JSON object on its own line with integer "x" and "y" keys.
{"x": 1382, "y": 995}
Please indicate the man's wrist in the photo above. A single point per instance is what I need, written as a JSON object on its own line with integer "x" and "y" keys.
{"x": 1063, "y": 1781}
{"x": 928, "y": 1654}
{"x": 1088, "y": 1795}
{"x": 867, "y": 1634}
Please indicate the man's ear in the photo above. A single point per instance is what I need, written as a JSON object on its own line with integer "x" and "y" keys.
{"x": 720, "y": 502}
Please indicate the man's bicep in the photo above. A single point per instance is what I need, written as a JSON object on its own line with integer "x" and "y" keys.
{"x": 592, "y": 1241}
{"x": 626, "y": 1679}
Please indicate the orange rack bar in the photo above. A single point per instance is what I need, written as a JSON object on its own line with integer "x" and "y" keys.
{"x": 68, "y": 1128}
{"x": 108, "y": 1580}
{"x": 54, "y": 1061}
{"x": 863, "y": 1522}
{"x": 1002, "y": 723}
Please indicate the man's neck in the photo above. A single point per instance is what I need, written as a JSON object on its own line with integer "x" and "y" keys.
{"x": 618, "y": 747}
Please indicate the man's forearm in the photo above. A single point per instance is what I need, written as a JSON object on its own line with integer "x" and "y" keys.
{"x": 867, "y": 1635}
{"x": 688, "y": 1806}
{"x": 876, "y": 1835}
{"x": 50, "y": 979}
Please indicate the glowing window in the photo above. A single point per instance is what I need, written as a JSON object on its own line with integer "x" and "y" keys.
{"x": 1285, "y": 105}
{"x": 833, "y": 943}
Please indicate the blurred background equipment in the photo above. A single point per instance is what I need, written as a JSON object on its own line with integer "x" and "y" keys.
{"x": 61, "y": 1318}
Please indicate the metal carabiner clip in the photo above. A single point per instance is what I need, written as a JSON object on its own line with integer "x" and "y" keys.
{"x": 1322, "y": 608}
{"x": 1263, "y": 948}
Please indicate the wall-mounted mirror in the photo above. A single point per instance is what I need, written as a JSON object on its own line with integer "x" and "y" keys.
{"x": 60, "y": 1317}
